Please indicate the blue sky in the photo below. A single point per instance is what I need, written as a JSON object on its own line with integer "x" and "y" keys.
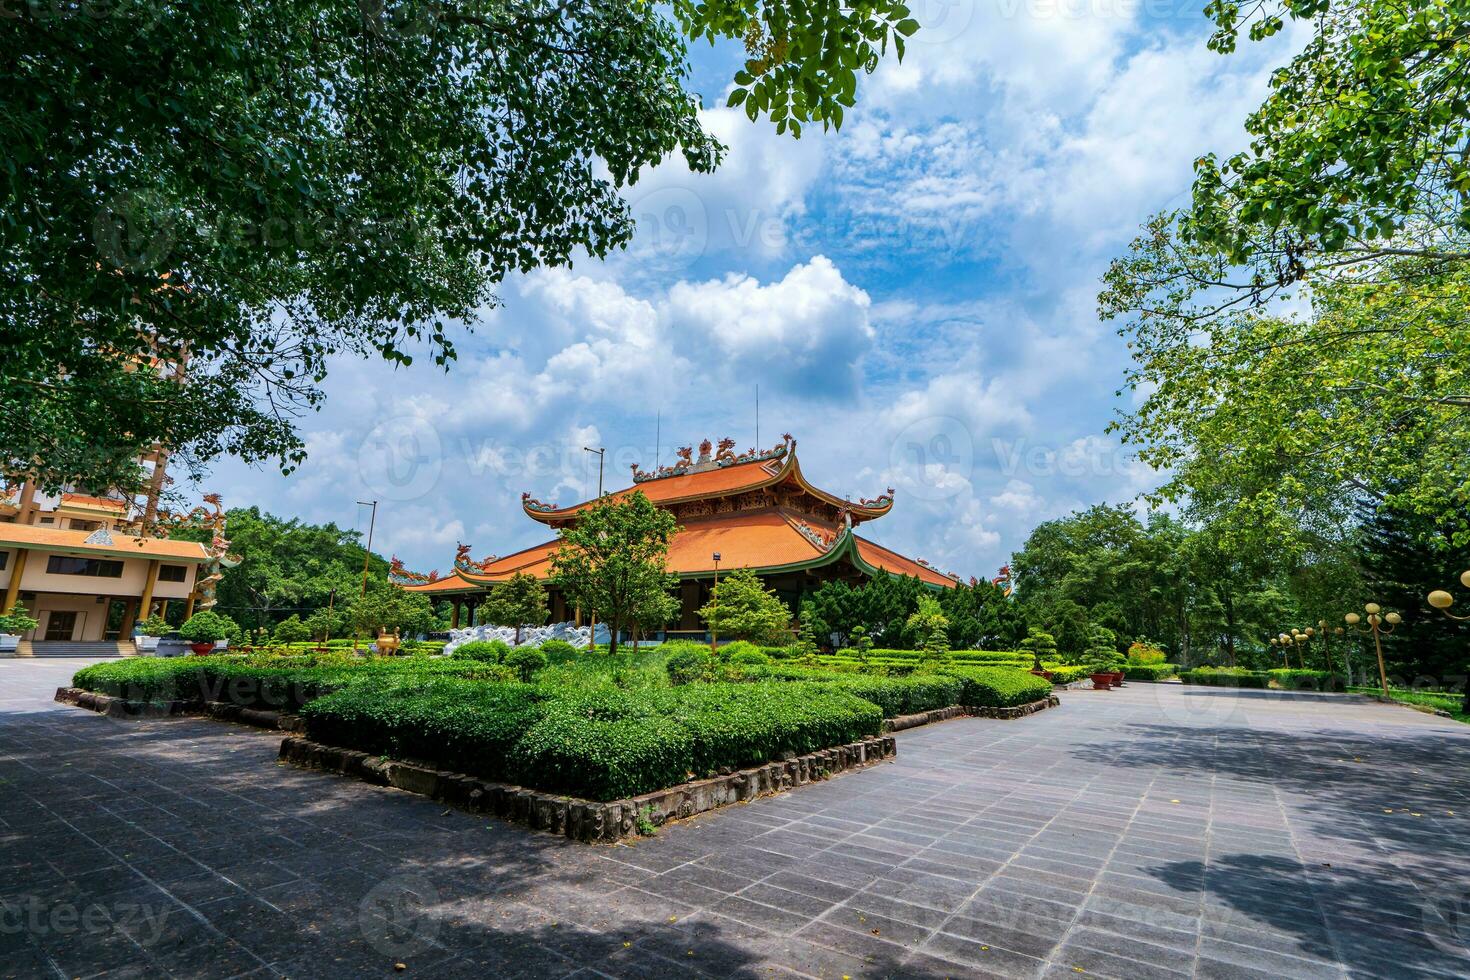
{"x": 914, "y": 296}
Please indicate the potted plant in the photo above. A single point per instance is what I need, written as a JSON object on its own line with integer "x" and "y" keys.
{"x": 12, "y": 626}
{"x": 205, "y": 629}
{"x": 1102, "y": 676}
{"x": 149, "y": 630}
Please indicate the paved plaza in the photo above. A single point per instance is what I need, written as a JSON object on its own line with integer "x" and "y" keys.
{"x": 1158, "y": 830}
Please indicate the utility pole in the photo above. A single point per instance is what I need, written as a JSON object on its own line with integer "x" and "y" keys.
{"x": 367, "y": 554}
{"x": 600, "y": 453}
{"x": 714, "y": 600}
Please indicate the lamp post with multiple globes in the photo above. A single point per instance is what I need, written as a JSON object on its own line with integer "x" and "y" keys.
{"x": 1327, "y": 635}
{"x": 1442, "y": 600}
{"x": 1376, "y": 618}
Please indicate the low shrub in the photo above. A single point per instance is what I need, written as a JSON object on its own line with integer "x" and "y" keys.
{"x": 999, "y": 687}
{"x": 488, "y": 651}
{"x": 602, "y": 745}
{"x": 526, "y": 662}
{"x": 1144, "y": 652}
{"x": 729, "y": 651}
{"x": 1226, "y": 677}
{"x": 689, "y": 663}
{"x": 1307, "y": 680}
{"x": 748, "y": 658}
{"x": 1067, "y": 673}
{"x": 1147, "y": 671}
{"x": 558, "y": 650}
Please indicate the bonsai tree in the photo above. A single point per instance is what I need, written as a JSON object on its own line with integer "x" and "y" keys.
{"x": 154, "y": 625}
{"x": 741, "y": 608}
{"x": 208, "y": 627}
{"x": 861, "y": 644}
{"x": 1102, "y": 650}
{"x": 806, "y": 638}
{"x": 520, "y": 601}
{"x": 17, "y": 621}
{"x": 291, "y": 630}
{"x": 931, "y": 624}
{"x": 1041, "y": 645}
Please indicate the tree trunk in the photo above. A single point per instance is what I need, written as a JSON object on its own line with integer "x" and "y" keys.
{"x": 518, "y": 634}
{"x": 612, "y": 638}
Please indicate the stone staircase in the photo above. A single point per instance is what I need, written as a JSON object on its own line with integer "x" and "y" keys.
{"x": 61, "y": 648}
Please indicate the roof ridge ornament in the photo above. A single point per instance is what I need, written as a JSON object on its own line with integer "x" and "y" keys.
{"x": 400, "y": 575}
{"x": 99, "y": 536}
{"x": 531, "y": 503}
{"x": 726, "y": 456}
{"x": 464, "y": 563}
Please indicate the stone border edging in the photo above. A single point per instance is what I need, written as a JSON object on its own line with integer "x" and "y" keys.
{"x": 116, "y": 707}
{"x": 587, "y": 820}
{"x": 905, "y": 722}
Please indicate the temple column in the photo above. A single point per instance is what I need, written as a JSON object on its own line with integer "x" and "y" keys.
{"x": 454, "y": 613}
{"x": 130, "y": 616}
{"x": 12, "y": 591}
{"x": 189, "y": 606}
{"x": 145, "y": 605}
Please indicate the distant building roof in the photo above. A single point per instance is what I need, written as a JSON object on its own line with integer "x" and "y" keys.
{"x": 114, "y": 543}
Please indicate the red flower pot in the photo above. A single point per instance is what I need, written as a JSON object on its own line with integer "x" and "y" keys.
{"x": 1101, "y": 682}
{"x": 202, "y": 648}
{"x": 1117, "y": 678}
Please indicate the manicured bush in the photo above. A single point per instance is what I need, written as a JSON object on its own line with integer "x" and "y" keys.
{"x": 488, "y": 651}
{"x": 473, "y": 725}
{"x": 208, "y": 627}
{"x": 1307, "y": 680}
{"x": 603, "y": 744}
{"x": 1226, "y": 677}
{"x": 1144, "y": 652}
{"x": 1148, "y": 671}
{"x": 689, "y": 664}
{"x": 558, "y": 650}
{"x": 999, "y": 687}
{"x": 729, "y": 651}
{"x": 1067, "y": 673}
{"x": 526, "y": 662}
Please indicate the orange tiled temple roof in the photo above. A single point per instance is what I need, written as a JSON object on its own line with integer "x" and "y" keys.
{"x": 766, "y": 537}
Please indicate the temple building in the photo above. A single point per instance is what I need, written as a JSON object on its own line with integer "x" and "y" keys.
{"x": 754, "y": 510}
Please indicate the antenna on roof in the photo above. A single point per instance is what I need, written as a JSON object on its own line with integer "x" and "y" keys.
{"x": 757, "y": 416}
{"x": 658, "y": 420}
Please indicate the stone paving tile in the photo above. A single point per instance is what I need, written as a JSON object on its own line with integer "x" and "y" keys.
{"x": 1153, "y": 831}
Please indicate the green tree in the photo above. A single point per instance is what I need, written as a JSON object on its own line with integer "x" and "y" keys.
{"x": 1357, "y": 155}
{"x": 807, "y": 643}
{"x": 518, "y": 601}
{"x": 881, "y": 605}
{"x": 1041, "y": 645}
{"x": 296, "y": 180}
{"x": 325, "y": 623}
{"x": 387, "y": 606}
{"x": 288, "y": 564}
{"x": 654, "y": 614}
{"x": 741, "y": 608}
{"x": 1274, "y": 427}
{"x": 291, "y": 630}
{"x": 613, "y": 561}
{"x": 930, "y": 623}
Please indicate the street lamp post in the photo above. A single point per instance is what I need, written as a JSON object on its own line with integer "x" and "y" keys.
{"x": 1376, "y": 618}
{"x": 1442, "y": 600}
{"x": 714, "y": 607}
{"x": 600, "y": 454}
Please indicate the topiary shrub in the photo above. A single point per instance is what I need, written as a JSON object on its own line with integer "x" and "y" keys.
{"x": 729, "y": 651}
{"x": 689, "y": 663}
{"x": 289, "y": 630}
{"x": 1147, "y": 672}
{"x": 488, "y": 651}
{"x": 748, "y": 658}
{"x": 999, "y": 687}
{"x": 208, "y": 627}
{"x": 558, "y": 650}
{"x": 527, "y": 662}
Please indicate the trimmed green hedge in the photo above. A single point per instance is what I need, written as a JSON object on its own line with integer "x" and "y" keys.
{"x": 1067, "y": 673}
{"x": 601, "y": 745}
{"x": 903, "y": 695}
{"x": 999, "y": 687}
{"x": 1225, "y": 677}
{"x": 1148, "y": 672}
{"x": 1285, "y": 679}
{"x": 262, "y": 681}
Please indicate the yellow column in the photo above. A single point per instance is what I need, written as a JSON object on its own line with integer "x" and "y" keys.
{"x": 163, "y": 607}
{"x": 454, "y": 614}
{"x": 189, "y": 606}
{"x": 12, "y": 591}
{"x": 146, "y": 603}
